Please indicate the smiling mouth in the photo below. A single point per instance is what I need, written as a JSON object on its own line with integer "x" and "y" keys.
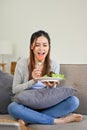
{"x": 41, "y": 55}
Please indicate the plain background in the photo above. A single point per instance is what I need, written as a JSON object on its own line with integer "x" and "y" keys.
{"x": 64, "y": 20}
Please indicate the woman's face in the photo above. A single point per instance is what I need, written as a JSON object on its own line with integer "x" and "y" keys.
{"x": 40, "y": 48}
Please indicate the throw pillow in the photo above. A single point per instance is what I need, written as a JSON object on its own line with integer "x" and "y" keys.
{"x": 43, "y": 98}
{"x": 5, "y": 91}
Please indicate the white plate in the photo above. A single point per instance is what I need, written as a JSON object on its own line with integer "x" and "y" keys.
{"x": 51, "y": 79}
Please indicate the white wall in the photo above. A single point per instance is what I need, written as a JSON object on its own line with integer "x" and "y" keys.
{"x": 64, "y": 20}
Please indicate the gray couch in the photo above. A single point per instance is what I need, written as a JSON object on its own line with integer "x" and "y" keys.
{"x": 76, "y": 76}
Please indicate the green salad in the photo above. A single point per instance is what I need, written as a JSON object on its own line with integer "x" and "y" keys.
{"x": 55, "y": 75}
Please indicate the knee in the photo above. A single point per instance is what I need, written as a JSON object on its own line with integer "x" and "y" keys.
{"x": 74, "y": 102}
{"x": 11, "y": 107}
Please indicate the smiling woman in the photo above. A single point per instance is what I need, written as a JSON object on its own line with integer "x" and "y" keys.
{"x": 25, "y": 79}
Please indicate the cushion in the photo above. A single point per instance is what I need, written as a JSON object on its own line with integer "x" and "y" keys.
{"x": 5, "y": 91}
{"x": 43, "y": 98}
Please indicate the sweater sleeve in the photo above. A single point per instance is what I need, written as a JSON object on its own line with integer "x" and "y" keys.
{"x": 20, "y": 81}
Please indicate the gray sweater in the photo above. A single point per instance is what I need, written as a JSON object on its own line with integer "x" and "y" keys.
{"x": 20, "y": 81}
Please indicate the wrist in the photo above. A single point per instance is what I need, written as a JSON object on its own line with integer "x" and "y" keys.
{"x": 35, "y": 81}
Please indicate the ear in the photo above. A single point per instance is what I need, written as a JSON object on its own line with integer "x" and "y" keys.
{"x": 32, "y": 47}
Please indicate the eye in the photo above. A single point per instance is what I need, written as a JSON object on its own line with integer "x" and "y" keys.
{"x": 45, "y": 44}
{"x": 37, "y": 44}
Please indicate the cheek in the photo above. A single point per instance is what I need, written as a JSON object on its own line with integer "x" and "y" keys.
{"x": 34, "y": 51}
{"x": 47, "y": 49}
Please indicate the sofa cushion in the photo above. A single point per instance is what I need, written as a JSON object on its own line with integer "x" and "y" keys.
{"x": 5, "y": 91}
{"x": 43, "y": 98}
{"x": 76, "y": 75}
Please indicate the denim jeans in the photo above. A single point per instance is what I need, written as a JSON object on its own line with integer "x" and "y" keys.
{"x": 45, "y": 116}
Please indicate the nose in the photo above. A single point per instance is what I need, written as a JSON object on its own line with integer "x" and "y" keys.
{"x": 41, "y": 47}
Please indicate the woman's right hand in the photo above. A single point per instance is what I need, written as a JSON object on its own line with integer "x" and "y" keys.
{"x": 36, "y": 73}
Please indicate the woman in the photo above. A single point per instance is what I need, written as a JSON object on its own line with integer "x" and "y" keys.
{"x": 27, "y": 70}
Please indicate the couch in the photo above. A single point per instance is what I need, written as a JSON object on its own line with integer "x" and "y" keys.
{"x": 76, "y": 76}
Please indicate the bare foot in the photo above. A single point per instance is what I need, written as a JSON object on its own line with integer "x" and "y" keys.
{"x": 21, "y": 122}
{"x": 72, "y": 118}
{"x": 68, "y": 119}
{"x": 22, "y": 125}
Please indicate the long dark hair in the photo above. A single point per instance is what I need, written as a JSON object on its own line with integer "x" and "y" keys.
{"x": 31, "y": 65}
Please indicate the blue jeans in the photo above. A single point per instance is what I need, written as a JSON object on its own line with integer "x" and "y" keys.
{"x": 45, "y": 116}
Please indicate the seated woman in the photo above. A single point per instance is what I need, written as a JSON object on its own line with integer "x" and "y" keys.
{"x": 27, "y": 70}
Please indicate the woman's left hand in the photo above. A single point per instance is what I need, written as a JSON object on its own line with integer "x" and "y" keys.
{"x": 51, "y": 84}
